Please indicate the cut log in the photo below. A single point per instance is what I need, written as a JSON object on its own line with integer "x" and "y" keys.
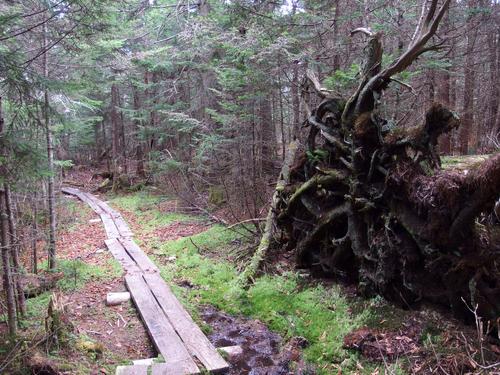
{"x": 113, "y": 299}
{"x": 145, "y": 361}
{"x": 231, "y": 351}
{"x": 132, "y": 370}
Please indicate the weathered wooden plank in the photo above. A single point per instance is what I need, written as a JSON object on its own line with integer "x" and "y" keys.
{"x": 122, "y": 227}
{"x": 160, "y": 330}
{"x": 84, "y": 197}
{"x": 70, "y": 190}
{"x": 177, "y": 368}
{"x": 191, "y": 335}
{"x": 132, "y": 370}
{"x": 89, "y": 199}
{"x": 138, "y": 255}
{"x": 121, "y": 255}
{"x": 109, "y": 226}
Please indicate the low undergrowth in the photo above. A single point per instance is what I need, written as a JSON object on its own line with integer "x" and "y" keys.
{"x": 201, "y": 271}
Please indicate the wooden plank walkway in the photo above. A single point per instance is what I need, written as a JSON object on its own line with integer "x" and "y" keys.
{"x": 172, "y": 330}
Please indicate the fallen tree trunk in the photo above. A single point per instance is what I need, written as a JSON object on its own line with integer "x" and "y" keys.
{"x": 371, "y": 203}
{"x": 267, "y": 236}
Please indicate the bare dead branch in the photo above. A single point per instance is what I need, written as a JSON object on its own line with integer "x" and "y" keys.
{"x": 363, "y": 30}
{"x": 320, "y": 90}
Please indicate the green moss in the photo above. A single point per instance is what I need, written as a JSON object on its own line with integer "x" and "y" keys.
{"x": 144, "y": 206}
{"x": 462, "y": 161}
{"x": 286, "y": 303}
{"x": 138, "y": 202}
{"x": 319, "y": 314}
{"x": 287, "y": 306}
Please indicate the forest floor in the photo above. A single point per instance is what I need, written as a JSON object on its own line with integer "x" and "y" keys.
{"x": 287, "y": 322}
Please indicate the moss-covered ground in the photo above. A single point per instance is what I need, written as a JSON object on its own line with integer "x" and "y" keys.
{"x": 288, "y": 303}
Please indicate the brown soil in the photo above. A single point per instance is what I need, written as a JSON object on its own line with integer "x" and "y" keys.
{"x": 457, "y": 351}
{"x": 84, "y": 178}
{"x": 118, "y": 328}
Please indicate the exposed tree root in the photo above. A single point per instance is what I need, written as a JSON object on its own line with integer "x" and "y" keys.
{"x": 372, "y": 204}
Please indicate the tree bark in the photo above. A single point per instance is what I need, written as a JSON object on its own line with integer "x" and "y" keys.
{"x": 469, "y": 83}
{"x": 270, "y": 226}
{"x": 8, "y": 285}
{"x": 137, "y": 125}
{"x": 34, "y": 234}
{"x": 14, "y": 251}
{"x": 115, "y": 136}
{"x": 267, "y": 138}
{"x": 50, "y": 161}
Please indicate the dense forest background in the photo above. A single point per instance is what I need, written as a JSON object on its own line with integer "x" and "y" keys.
{"x": 306, "y": 127}
{"x": 211, "y": 91}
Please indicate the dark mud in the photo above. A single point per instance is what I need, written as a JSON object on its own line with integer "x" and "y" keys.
{"x": 263, "y": 350}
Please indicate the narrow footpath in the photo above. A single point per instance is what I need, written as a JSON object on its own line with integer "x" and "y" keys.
{"x": 175, "y": 335}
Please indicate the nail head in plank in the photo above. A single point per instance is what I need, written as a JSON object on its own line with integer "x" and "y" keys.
{"x": 161, "y": 331}
{"x": 189, "y": 332}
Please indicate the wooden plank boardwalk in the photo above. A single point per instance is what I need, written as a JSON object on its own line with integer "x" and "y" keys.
{"x": 172, "y": 330}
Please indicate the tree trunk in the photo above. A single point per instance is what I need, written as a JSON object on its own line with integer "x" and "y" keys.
{"x": 123, "y": 138}
{"x": 267, "y": 239}
{"x": 14, "y": 251}
{"x": 493, "y": 47}
{"x": 469, "y": 83}
{"x": 50, "y": 160}
{"x": 295, "y": 102}
{"x": 34, "y": 234}
{"x": 8, "y": 285}
{"x": 115, "y": 136}
{"x": 267, "y": 136}
{"x": 137, "y": 125}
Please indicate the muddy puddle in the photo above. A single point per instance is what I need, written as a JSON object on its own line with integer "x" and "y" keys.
{"x": 263, "y": 350}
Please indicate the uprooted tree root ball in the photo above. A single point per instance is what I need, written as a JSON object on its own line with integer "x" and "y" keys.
{"x": 371, "y": 203}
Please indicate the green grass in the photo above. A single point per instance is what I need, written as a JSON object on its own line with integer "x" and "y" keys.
{"x": 286, "y": 303}
{"x": 137, "y": 202}
{"x": 144, "y": 206}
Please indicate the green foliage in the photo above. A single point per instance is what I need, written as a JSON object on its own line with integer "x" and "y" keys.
{"x": 317, "y": 155}
{"x": 342, "y": 78}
